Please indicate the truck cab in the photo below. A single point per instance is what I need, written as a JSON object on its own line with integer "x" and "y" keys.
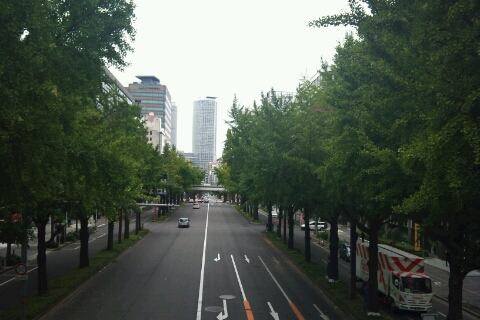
{"x": 410, "y": 291}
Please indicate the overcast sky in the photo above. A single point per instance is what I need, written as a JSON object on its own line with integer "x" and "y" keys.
{"x": 221, "y": 48}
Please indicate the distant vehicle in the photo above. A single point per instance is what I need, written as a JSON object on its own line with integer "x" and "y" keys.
{"x": 206, "y": 200}
{"x": 344, "y": 251}
{"x": 190, "y": 200}
{"x": 320, "y": 225}
{"x": 184, "y": 223}
{"x": 196, "y": 205}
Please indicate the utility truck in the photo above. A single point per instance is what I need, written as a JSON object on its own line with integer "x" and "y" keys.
{"x": 400, "y": 277}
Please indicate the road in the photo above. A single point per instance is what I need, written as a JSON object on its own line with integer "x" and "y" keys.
{"x": 471, "y": 291}
{"x": 219, "y": 268}
{"x": 59, "y": 261}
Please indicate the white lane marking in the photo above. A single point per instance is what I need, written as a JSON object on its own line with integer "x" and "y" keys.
{"x": 323, "y": 315}
{"x": 441, "y": 314}
{"x": 217, "y": 259}
{"x": 98, "y": 237}
{"x": 224, "y": 314}
{"x": 246, "y": 259}
{"x": 202, "y": 272}
{"x": 238, "y": 278}
{"x": 272, "y": 312}
{"x": 30, "y": 270}
{"x": 278, "y": 285}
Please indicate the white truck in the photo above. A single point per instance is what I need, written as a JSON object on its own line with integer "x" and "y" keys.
{"x": 401, "y": 281}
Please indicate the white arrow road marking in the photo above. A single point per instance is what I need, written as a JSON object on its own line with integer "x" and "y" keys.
{"x": 247, "y": 259}
{"x": 216, "y": 259}
{"x": 292, "y": 305}
{"x": 323, "y": 315}
{"x": 225, "y": 311}
{"x": 272, "y": 312}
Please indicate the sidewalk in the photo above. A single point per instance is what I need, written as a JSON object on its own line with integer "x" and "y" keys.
{"x": 32, "y": 251}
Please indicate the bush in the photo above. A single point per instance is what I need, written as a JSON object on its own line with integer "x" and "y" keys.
{"x": 72, "y": 236}
{"x": 323, "y": 235}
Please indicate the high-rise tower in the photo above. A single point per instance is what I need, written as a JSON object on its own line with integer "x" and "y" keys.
{"x": 204, "y": 132}
{"x": 154, "y": 97}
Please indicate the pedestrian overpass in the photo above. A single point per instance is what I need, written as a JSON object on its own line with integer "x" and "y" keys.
{"x": 208, "y": 188}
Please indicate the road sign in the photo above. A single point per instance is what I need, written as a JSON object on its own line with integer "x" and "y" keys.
{"x": 21, "y": 269}
{"x": 23, "y": 277}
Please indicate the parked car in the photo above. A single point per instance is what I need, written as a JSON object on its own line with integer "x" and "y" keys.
{"x": 196, "y": 205}
{"x": 320, "y": 225}
{"x": 344, "y": 251}
{"x": 184, "y": 222}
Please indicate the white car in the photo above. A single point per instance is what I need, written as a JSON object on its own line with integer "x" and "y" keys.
{"x": 320, "y": 225}
{"x": 196, "y": 205}
{"x": 184, "y": 222}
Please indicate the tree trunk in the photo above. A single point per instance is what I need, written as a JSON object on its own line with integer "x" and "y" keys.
{"x": 333, "y": 247}
{"x": 110, "y": 235}
{"x": 255, "y": 211}
{"x": 9, "y": 252}
{"x": 290, "y": 227}
{"x": 353, "y": 259}
{"x": 308, "y": 254}
{"x": 373, "y": 266}
{"x": 269, "y": 217}
{"x": 455, "y": 288}
{"x": 126, "y": 235}
{"x": 120, "y": 226}
{"x": 137, "y": 222}
{"x": 280, "y": 209}
{"x": 280, "y": 217}
{"x": 41, "y": 258}
{"x": 84, "y": 236}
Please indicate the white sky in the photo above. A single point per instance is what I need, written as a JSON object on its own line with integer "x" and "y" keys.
{"x": 221, "y": 48}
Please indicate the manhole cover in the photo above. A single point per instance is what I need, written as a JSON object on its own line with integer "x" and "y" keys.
{"x": 227, "y": 297}
{"x": 214, "y": 309}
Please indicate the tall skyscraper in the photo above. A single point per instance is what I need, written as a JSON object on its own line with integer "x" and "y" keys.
{"x": 154, "y": 97}
{"x": 204, "y": 131}
{"x": 173, "y": 138}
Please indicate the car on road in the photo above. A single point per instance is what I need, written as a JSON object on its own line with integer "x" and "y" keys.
{"x": 184, "y": 223}
{"x": 190, "y": 200}
{"x": 196, "y": 205}
{"x": 206, "y": 200}
{"x": 320, "y": 225}
{"x": 344, "y": 251}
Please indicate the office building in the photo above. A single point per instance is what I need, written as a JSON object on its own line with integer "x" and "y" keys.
{"x": 154, "y": 131}
{"x": 154, "y": 98}
{"x": 204, "y": 131}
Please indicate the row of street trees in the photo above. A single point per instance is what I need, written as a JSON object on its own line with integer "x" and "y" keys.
{"x": 391, "y": 134}
{"x": 69, "y": 141}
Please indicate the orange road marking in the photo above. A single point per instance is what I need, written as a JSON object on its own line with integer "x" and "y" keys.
{"x": 297, "y": 312}
{"x": 248, "y": 310}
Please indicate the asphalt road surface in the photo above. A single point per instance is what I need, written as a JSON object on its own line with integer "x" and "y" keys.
{"x": 219, "y": 268}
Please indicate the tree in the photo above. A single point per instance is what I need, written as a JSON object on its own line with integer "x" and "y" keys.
{"x": 425, "y": 51}
{"x": 50, "y": 67}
